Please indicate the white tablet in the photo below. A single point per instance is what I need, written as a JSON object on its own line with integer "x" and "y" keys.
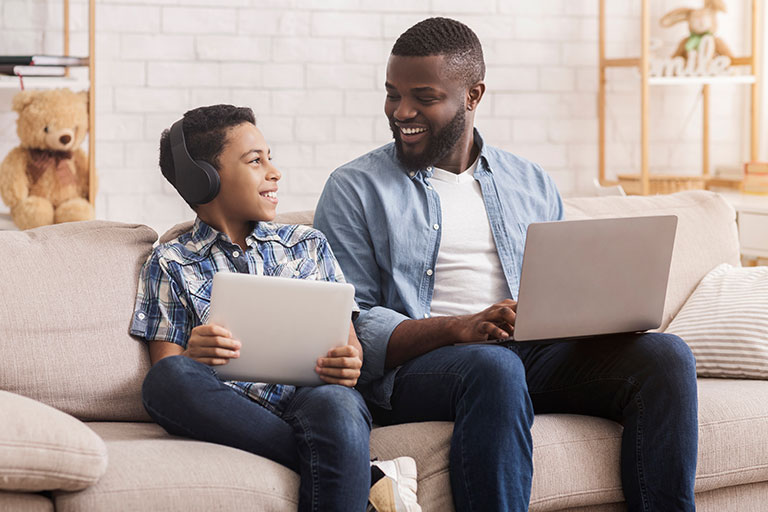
{"x": 284, "y": 325}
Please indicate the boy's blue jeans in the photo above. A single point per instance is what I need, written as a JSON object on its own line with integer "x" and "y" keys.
{"x": 323, "y": 434}
{"x": 647, "y": 382}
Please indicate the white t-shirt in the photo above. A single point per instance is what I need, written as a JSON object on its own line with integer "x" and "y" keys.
{"x": 468, "y": 273}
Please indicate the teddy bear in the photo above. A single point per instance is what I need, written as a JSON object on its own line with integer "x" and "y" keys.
{"x": 702, "y": 22}
{"x": 44, "y": 180}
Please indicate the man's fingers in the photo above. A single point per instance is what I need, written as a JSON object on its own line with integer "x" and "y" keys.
{"x": 494, "y": 331}
{"x": 504, "y": 314}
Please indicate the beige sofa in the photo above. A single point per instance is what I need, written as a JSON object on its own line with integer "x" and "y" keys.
{"x": 67, "y": 297}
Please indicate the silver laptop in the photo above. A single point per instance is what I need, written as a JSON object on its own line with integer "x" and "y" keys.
{"x": 284, "y": 325}
{"x": 592, "y": 277}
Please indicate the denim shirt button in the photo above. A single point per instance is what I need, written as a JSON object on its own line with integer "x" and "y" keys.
{"x": 429, "y": 272}
{"x": 426, "y": 315}
{"x": 436, "y": 226}
{"x": 411, "y": 174}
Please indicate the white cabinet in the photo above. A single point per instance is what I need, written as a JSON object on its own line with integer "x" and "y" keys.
{"x": 752, "y": 217}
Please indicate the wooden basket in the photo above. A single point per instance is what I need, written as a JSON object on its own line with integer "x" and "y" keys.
{"x": 661, "y": 184}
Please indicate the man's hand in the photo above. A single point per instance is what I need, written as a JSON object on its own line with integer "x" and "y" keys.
{"x": 342, "y": 364}
{"x": 412, "y": 338}
{"x": 494, "y": 322}
{"x": 212, "y": 345}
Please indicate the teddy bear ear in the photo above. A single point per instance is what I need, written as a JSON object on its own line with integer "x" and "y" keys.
{"x": 675, "y": 16}
{"x": 22, "y": 100}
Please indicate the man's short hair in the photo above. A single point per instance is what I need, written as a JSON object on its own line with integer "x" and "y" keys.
{"x": 444, "y": 36}
{"x": 205, "y": 133}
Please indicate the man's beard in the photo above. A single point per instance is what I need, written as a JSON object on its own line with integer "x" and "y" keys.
{"x": 438, "y": 145}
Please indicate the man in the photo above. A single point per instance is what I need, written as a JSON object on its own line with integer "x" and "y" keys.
{"x": 430, "y": 229}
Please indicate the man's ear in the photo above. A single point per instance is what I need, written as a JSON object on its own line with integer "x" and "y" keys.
{"x": 474, "y": 95}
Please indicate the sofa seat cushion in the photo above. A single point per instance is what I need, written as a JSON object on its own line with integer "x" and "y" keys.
{"x": 576, "y": 458}
{"x": 25, "y": 502}
{"x": 43, "y": 449}
{"x": 68, "y": 292}
{"x": 149, "y": 469}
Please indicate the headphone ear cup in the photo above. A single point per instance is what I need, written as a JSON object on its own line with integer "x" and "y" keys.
{"x": 199, "y": 182}
{"x": 212, "y": 177}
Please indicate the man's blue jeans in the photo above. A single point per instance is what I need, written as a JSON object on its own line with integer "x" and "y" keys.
{"x": 323, "y": 434}
{"x": 647, "y": 382}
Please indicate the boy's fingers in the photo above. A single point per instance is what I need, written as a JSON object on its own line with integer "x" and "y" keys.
{"x": 343, "y": 382}
{"x": 213, "y": 330}
{"x": 212, "y": 361}
{"x": 343, "y": 351}
{"x": 340, "y": 373}
{"x": 340, "y": 362}
{"x": 219, "y": 341}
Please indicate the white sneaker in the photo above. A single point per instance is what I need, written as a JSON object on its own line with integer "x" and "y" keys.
{"x": 396, "y": 490}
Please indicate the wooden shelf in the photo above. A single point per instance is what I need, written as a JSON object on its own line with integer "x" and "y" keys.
{"x": 39, "y": 82}
{"x": 644, "y": 182}
{"x": 701, "y": 80}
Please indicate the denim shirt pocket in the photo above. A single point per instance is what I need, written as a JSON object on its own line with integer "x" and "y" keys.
{"x": 200, "y": 296}
{"x": 300, "y": 268}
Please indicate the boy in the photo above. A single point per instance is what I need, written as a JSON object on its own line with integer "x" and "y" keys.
{"x": 320, "y": 432}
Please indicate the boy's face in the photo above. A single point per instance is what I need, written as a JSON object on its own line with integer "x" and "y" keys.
{"x": 248, "y": 189}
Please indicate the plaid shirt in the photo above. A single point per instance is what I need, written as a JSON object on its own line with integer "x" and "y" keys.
{"x": 175, "y": 283}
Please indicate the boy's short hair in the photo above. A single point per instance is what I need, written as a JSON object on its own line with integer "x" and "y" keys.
{"x": 205, "y": 133}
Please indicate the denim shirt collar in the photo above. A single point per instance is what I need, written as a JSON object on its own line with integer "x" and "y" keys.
{"x": 484, "y": 157}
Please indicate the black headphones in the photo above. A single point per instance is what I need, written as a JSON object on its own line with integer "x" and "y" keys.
{"x": 196, "y": 180}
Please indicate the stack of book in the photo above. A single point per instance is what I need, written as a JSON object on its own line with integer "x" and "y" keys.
{"x": 38, "y": 65}
{"x": 755, "y": 178}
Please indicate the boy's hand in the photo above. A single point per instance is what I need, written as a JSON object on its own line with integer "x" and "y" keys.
{"x": 340, "y": 366}
{"x": 212, "y": 344}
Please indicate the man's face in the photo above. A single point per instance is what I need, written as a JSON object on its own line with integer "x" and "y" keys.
{"x": 426, "y": 110}
{"x": 248, "y": 180}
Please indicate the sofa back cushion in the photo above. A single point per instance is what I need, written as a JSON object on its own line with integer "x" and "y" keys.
{"x": 67, "y": 296}
{"x": 706, "y": 234}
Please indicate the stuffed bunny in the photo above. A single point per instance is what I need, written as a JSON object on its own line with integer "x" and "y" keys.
{"x": 701, "y": 22}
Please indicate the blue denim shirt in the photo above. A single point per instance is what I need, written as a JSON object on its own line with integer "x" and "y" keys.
{"x": 384, "y": 222}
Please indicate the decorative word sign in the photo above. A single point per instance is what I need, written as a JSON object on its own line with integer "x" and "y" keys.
{"x": 700, "y": 62}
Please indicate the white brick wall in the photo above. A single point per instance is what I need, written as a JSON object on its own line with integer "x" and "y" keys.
{"x": 313, "y": 72}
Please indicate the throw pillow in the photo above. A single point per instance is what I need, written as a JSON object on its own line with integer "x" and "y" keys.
{"x": 44, "y": 449}
{"x": 725, "y": 322}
